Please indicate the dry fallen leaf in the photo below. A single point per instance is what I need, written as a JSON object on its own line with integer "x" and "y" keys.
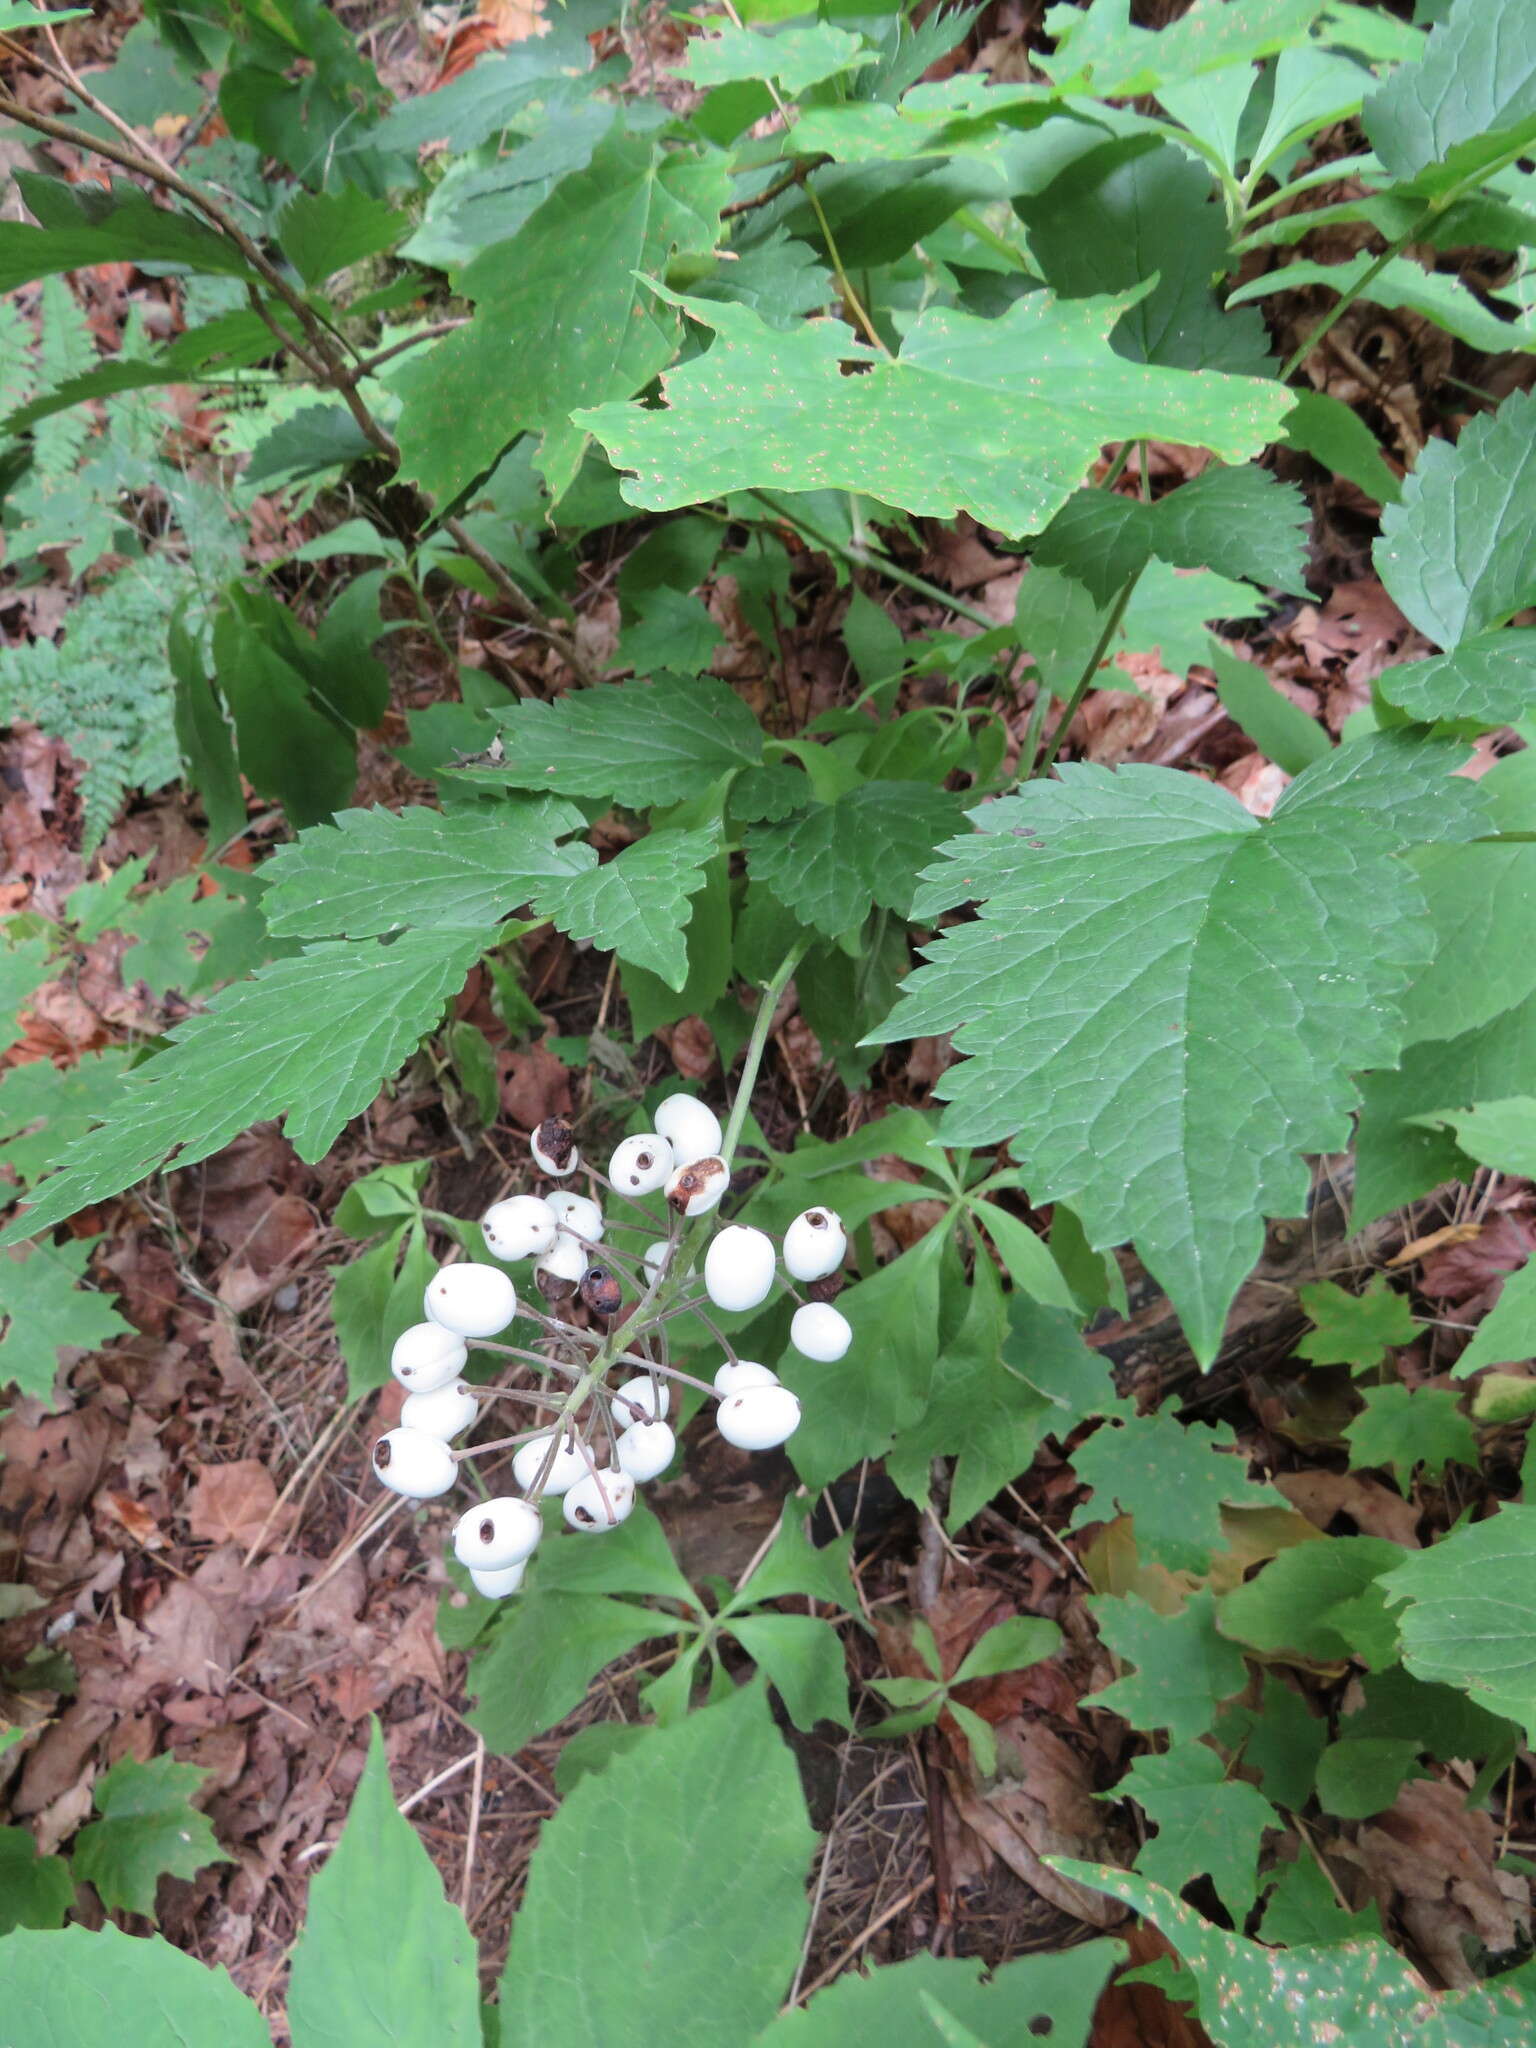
{"x": 231, "y": 1503}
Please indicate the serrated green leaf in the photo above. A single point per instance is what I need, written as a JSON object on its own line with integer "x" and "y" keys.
{"x": 1307, "y": 1600}
{"x": 1470, "y": 98}
{"x": 1280, "y": 1739}
{"x": 1357, "y": 1994}
{"x": 1008, "y": 2007}
{"x": 1405, "y": 1427}
{"x": 1183, "y": 1668}
{"x": 43, "y": 1108}
{"x": 1045, "y": 1348}
{"x": 1241, "y": 522}
{"x": 323, "y": 232}
{"x": 831, "y": 863}
{"x": 1506, "y": 1335}
{"x": 148, "y": 1829}
{"x": 1206, "y": 1823}
{"x": 614, "y": 1856}
{"x": 1000, "y": 418}
{"x": 1119, "y": 1012}
{"x": 85, "y": 1989}
{"x": 796, "y": 57}
{"x": 1171, "y": 1478}
{"x": 1362, "y": 1776}
{"x": 308, "y": 1039}
{"x": 375, "y": 871}
{"x": 1482, "y": 902}
{"x": 313, "y": 441}
{"x": 1171, "y": 611}
{"x": 544, "y": 1652}
{"x": 1302, "y": 1911}
{"x": 1470, "y": 1617}
{"x": 641, "y": 744}
{"x": 1100, "y": 50}
{"x": 637, "y": 905}
{"x": 562, "y": 317}
{"x": 1133, "y": 208}
{"x": 1490, "y": 678}
{"x": 161, "y": 927}
{"x": 383, "y": 1960}
{"x": 1457, "y": 552}
{"x": 87, "y": 224}
{"x": 1354, "y": 1329}
{"x": 47, "y": 1309}
{"x": 35, "y": 1891}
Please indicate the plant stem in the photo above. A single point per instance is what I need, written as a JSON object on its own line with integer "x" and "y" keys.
{"x": 1084, "y": 682}
{"x": 863, "y": 558}
{"x": 762, "y": 1023}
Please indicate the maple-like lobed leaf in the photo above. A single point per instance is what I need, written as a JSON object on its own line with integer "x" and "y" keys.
{"x": 1163, "y": 1001}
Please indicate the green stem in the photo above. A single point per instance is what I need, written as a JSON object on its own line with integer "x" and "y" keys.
{"x": 762, "y": 1023}
{"x": 1084, "y": 682}
{"x": 862, "y": 558}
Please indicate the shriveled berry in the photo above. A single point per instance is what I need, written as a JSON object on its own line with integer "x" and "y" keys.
{"x": 601, "y": 1291}
{"x": 820, "y": 1331}
{"x": 690, "y": 1127}
{"x": 738, "y": 1267}
{"x": 446, "y": 1412}
{"x": 641, "y": 1165}
{"x": 497, "y": 1585}
{"x": 410, "y": 1462}
{"x": 569, "y": 1464}
{"x": 470, "y": 1300}
{"x": 427, "y": 1356}
{"x": 695, "y": 1190}
{"x": 814, "y": 1244}
{"x": 553, "y": 1146}
{"x": 645, "y": 1450}
{"x": 736, "y": 1375}
{"x": 600, "y": 1501}
{"x": 558, "y": 1272}
{"x": 520, "y": 1227}
{"x": 758, "y": 1418}
{"x": 496, "y": 1533}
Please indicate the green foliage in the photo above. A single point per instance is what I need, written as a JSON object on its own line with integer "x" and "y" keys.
{"x": 1184, "y": 1668}
{"x": 148, "y": 1828}
{"x": 1318, "y": 1601}
{"x": 35, "y": 1891}
{"x": 1009, "y": 1646}
{"x": 383, "y": 1958}
{"x": 79, "y": 1989}
{"x": 1406, "y": 1428}
{"x": 46, "y": 1309}
{"x": 1468, "y": 101}
{"x": 1207, "y": 1823}
{"x": 642, "y": 744}
{"x": 1354, "y": 1329}
{"x": 1163, "y": 1474}
{"x": 1470, "y": 1614}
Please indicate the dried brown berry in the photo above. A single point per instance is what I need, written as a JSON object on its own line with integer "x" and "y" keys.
{"x": 601, "y": 1291}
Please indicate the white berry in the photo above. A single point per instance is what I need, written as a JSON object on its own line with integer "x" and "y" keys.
{"x": 736, "y": 1375}
{"x": 759, "y": 1418}
{"x": 814, "y": 1245}
{"x": 641, "y": 1165}
{"x": 690, "y": 1127}
{"x": 497, "y": 1533}
{"x": 695, "y": 1189}
{"x": 645, "y": 1450}
{"x": 497, "y": 1585}
{"x": 410, "y": 1462}
{"x": 564, "y": 1264}
{"x": 427, "y": 1356}
{"x": 445, "y": 1412}
{"x": 738, "y": 1267}
{"x": 820, "y": 1331}
{"x": 472, "y": 1301}
{"x": 528, "y": 1462}
{"x": 600, "y": 1501}
{"x": 553, "y": 1148}
{"x": 520, "y": 1228}
{"x": 578, "y": 1214}
{"x": 652, "y": 1397}
{"x": 656, "y": 1256}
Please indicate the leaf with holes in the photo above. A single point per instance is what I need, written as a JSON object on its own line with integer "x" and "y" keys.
{"x": 1118, "y": 994}
{"x": 1000, "y": 418}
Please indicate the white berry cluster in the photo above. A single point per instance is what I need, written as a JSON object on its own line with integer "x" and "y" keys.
{"x": 612, "y": 1377}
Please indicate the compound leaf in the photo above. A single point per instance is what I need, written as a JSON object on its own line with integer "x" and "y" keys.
{"x": 828, "y": 864}
{"x": 1119, "y": 993}
{"x": 638, "y": 904}
{"x": 614, "y": 1856}
{"x": 47, "y": 1309}
{"x": 1457, "y": 552}
{"x": 640, "y": 744}
{"x": 148, "y": 1829}
{"x": 384, "y": 1960}
{"x": 308, "y": 1039}
{"x": 84, "y": 1989}
{"x": 1000, "y": 418}
{"x": 544, "y": 1652}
